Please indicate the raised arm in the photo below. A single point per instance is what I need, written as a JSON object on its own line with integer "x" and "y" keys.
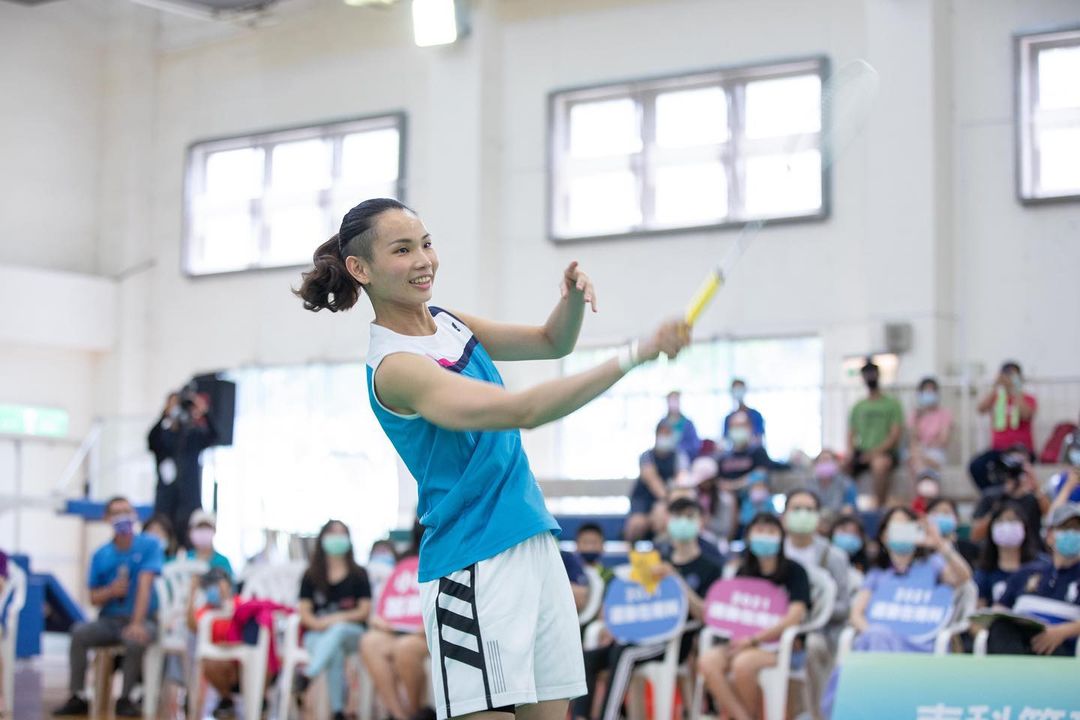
{"x": 554, "y": 339}
{"x": 410, "y": 384}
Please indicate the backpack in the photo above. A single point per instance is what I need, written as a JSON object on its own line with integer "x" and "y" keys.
{"x": 1055, "y": 446}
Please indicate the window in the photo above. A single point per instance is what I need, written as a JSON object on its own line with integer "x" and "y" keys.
{"x": 264, "y": 201}
{"x": 306, "y": 447}
{"x": 1048, "y": 115}
{"x": 784, "y": 377}
{"x": 705, "y": 150}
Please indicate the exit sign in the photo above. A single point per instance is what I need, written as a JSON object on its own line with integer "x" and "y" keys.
{"x": 38, "y": 421}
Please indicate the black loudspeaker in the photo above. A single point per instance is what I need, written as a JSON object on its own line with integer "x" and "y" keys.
{"x": 222, "y": 394}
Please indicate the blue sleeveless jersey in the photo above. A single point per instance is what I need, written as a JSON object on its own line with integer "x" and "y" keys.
{"x": 477, "y": 495}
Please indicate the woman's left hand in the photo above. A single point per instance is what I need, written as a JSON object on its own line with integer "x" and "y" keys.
{"x": 575, "y": 279}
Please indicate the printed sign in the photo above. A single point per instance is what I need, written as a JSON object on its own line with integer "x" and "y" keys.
{"x": 634, "y": 615}
{"x": 399, "y": 604}
{"x": 742, "y": 607}
{"x": 916, "y": 686}
{"x": 915, "y": 612}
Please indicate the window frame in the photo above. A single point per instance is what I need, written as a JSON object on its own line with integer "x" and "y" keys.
{"x": 197, "y": 152}
{"x": 728, "y": 76}
{"x": 1026, "y": 46}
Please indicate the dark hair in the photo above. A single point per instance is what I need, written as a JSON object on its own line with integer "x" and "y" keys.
{"x": 317, "y": 571}
{"x": 589, "y": 527}
{"x": 170, "y": 534}
{"x": 1029, "y": 549}
{"x": 942, "y": 501}
{"x": 1012, "y": 365}
{"x": 416, "y": 535}
{"x": 805, "y": 491}
{"x": 329, "y": 284}
{"x": 113, "y": 500}
{"x": 860, "y": 559}
{"x": 383, "y": 544}
{"x": 883, "y": 561}
{"x": 751, "y": 567}
{"x": 928, "y": 380}
{"x": 738, "y": 381}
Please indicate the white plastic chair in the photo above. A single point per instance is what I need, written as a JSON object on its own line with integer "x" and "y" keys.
{"x": 172, "y": 588}
{"x": 293, "y": 656}
{"x": 279, "y": 583}
{"x": 664, "y": 673}
{"x": 596, "y": 596}
{"x": 12, "y": 598}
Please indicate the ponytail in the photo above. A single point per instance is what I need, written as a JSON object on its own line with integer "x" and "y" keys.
{"x": 328, "y": 285}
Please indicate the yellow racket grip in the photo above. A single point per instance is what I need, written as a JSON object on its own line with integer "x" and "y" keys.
{"x": 703, "y": 296}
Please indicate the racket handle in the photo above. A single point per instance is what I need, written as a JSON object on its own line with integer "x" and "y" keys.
{"x": 703, "y": 296}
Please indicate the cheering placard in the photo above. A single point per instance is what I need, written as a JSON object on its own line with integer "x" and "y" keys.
{"x": 399, "y": 604}
{"x": 634, "y": 615}
{"x": 741, "y": 607}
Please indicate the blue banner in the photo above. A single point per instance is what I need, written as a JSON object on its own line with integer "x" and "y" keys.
{"x": 916, "y": 686}
{"x": 634, "y": 616}
{"x": 914, "y": 612}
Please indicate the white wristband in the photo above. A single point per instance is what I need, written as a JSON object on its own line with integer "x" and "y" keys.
{"x": 628, "y": 356}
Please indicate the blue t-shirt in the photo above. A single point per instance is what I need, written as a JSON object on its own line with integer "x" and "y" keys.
{"x": 992, "y": 584}
{"x": 144, "y": 555}
{"x": 574, "y": 569}
{"x": 922, "y": 573}
{"x": 217, "y": 560}
{"x": 477, "y": 494}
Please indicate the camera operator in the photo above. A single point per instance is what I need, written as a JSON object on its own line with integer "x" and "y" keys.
{"x": 177, "y": 441}
{"x": 1012, "y": 479}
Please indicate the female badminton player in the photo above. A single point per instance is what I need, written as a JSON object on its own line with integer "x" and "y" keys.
{"x": 498, "y": 610}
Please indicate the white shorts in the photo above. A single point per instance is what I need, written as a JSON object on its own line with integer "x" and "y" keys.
{"x": 504, "y": 632}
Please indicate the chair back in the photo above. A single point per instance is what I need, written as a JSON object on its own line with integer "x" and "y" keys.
{"x": 822, "y": 599}
{"x": 596, "y": 596}
{"x": 278, "y": 582}
{"x": 12, "y": 600}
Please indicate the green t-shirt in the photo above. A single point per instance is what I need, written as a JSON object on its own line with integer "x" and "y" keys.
{"x": 872, "y": 419}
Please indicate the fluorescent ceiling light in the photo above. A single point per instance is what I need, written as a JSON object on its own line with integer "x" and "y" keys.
{"x": 435, "y": 22}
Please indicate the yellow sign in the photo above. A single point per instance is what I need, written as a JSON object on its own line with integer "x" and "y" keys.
{"x": 643, "y": 566}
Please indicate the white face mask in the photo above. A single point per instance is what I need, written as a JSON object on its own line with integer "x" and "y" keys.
{"x": 739, "y": 436}
{"x": 666, "y": 443}
{"x": 202, "y": 537}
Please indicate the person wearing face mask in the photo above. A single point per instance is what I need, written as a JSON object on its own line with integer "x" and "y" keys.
{"x": 835, "y": 489}
{"x": 201, "y": 531}
{"x": 755, "y": 499}
{"x": 695, "y": 571}
{"x": 929, "y": 428}
{"x": 660, "y": 468}
{"x": 1013, "y": 479}
{"x": 1007, "y": 550}
{"x": 739, "y": 694}
{"x": 805, "y": 546}
{"x": 335, "y": 601}
{"x": 757, "y": 422}
{"x": 847, "y": 533}
{"x": 161, "y": 527}
{"x": 381, "y": 562}
{"x": 927, "y": 490}
{"x": 874, "y": 430}
{"x": 686, "y": 434}
{"x": 944, "y": 513}
{"x": 210, "y": 592}
{"x": 1012, "y": 412}
{"x": 1048, "y": 590}
{"x": 590, "y": 548}
{"x": 121, "y": 583}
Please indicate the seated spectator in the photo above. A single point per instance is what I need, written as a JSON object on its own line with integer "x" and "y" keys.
{"x": 335, "y": 601}
{"x": 1014, "y": 479}
{"x": 579, "y": 582}
{"x": 757, "y": 422}
{"x": 927, "y": 490}
{"x": 944, "y": 514}
{"x": 1046, "y": 590}
{"x": 395, "y": 660}
{"x": 1008, "y": 548}
{"x": 161, "y": 527}
{"x": 929, "y": 429}
{"x": 201, "y": 530}
{"x": 913, "y": 550}
{"x": 756, "y": 499}
{"x": 213, "y": 592}
{"x": 695, "y": 572}
{"x": 874, "y": 431}
{"x": 1065, "y": 488}
{"x": 835, "y": 489}
{"x": 803, "y": 545}
{"x": 381, "y": 561}
{"x": 686, "y": 437}
{"x": 121, "y": 584}
{"x": 1011, "y": 413}
{"x": 590, "y": 548}
{"x": 740, "y": 696}
{"x": 848, "y": 534}
{"x": 659, "y": 468}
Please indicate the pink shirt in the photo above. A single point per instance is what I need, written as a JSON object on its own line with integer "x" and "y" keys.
{"x": 928, "y": 425}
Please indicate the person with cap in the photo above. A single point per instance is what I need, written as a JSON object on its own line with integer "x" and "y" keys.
{"x": 1012, "y": 412}
{"x": 121, "y": 581}
{"x": 695, "y": 572}
{"x": 201, "y": 531}
{"x": 757, "y": 421}
{"x": 874, "y": 431}
{"x": 1046, "y": 590}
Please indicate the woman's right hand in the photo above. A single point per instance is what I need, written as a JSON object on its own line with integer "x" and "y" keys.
{"x": 670, "y": 338}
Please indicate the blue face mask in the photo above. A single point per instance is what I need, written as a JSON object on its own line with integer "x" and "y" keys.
{"x": 848, "y": 542}
{"x": 901, "y": 547}
{"x": 1067, "y": 542}
{"x": 123, "y": 525}
{"x": 946, "y": 524}
{"x": 682, "y": 529}
{"x": 765, "y": 546}
{"x": 213, "y": 596}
